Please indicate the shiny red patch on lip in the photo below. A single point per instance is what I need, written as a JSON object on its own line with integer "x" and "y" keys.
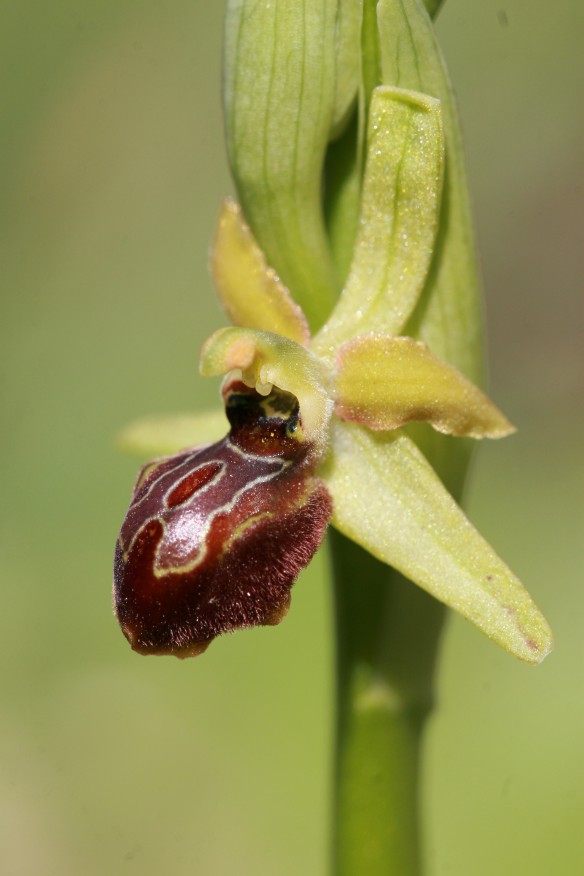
{"x": 191, "y": 483}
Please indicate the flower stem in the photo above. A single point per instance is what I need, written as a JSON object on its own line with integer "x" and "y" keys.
{"x": 387, "y": 637}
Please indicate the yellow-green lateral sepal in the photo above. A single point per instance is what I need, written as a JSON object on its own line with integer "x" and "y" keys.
{"x": 398, "y": 219}
{"x": 388, "y": 499}
{"x": 159, "y": 436}
{"x": 265, "y": 360}
{"x": 385, "y": 382}
{"x": 251, "y": 292}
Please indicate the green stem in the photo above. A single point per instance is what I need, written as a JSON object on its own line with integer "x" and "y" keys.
{"x": 387, "y": 637}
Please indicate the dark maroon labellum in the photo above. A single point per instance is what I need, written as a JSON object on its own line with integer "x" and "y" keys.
{"x": 215, "y": 537}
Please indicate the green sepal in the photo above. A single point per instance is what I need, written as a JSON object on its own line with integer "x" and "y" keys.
{"x": 398, "y": 221}
{"x": 449, "y": 315}
{"x": 388, "y": 499}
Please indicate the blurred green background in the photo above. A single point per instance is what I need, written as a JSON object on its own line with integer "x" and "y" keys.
{"x": 111, "y": 176}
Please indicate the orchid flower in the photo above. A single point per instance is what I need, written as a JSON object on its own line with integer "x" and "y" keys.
{"x": 351, "y": 376}
{"x": 218, "y": 531}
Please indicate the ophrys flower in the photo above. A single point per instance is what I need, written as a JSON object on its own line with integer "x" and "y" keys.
{"x": 216, "y": 536}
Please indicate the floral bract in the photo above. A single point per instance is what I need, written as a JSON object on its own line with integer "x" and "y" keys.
{"x": 319, "y": 417}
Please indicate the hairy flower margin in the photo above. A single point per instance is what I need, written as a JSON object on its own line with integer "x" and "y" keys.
{"x": 216, "y": 535}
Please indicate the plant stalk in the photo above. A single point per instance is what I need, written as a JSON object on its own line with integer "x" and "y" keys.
{"x": 387, "y": 637}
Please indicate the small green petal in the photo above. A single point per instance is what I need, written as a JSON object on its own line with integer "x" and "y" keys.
{"x": 267, "y": 360}
{"x": 159, "y": 436}
{"x": 388, "y": 499}
{"x": 385, "y": 382}
{"x": 250, "y": 291}
{"x": 398, "y": 220}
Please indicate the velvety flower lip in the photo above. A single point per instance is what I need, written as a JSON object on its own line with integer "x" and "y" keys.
{"x": 215, "y": 537}
{"x": 356, "y": 383}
